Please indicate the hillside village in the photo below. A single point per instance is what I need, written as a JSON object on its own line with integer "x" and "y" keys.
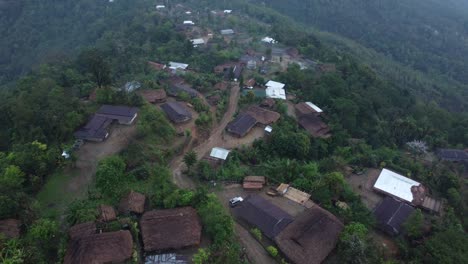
{"x": 215, "y": 129}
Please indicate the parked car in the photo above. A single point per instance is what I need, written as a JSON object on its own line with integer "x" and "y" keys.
{"x": 235, "y": 201}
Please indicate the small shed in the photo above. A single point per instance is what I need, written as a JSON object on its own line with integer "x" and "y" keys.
{"x": 10, "y": 228}
{"x": 293, "y": 194}
{"x": 219, "y": 153}
{"x": 227, "y": 32}
{"x": 107, "y": 213}
{"x": 133, "y": 203}
{"x": 170, "y": 229}
{"x": 254, "y": 182}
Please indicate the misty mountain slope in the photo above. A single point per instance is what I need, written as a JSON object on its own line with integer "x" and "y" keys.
{"x": 427, "y": 35}
{"x": 34, "y": 32}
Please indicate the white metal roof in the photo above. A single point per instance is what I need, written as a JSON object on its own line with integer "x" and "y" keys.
{"x": 274, "y": 84}
{"x": 395, "y": 184}
{"x": 219, "y": 153}
{"x": 269, "y": 40}
{"x": 160, "y": 6}
{"x": 268, "y": 129}
{"x": 198, "y": 41}
{"x": 316, "y": 108}
{"x": 227, "y": 11}
{"x": 227, "y": 31}
{"x": 188, "y": 22}
{"x": 275, "y": 93}
{"x": 177, "y": 65}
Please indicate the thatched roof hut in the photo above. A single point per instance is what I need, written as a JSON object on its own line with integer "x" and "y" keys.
{"x": 10, "y": 228}
{"x": 133, "y": 203}
{"x": 170, "y": 229}
{"x": 153, "y": 95}
{"x": 311, "y": 237}
{"x": 82, "y": 230}
{"x": 107, "y": 213}
{"x": 262, "y": 115}
{"x": 111, "y": 247}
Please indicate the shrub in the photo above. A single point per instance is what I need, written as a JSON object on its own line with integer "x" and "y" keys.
{"x": 273, "y": 251}
{"x": 256, "y": 233}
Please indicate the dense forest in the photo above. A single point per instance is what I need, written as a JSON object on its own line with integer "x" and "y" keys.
{"x": 54, "y": 54}
{"x": 428, "y": 38}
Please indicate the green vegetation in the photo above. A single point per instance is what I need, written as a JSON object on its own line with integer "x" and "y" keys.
{"x": 272, "y": 251}
{"x": 380, "y": 97}
{"x": 256, "y": 233}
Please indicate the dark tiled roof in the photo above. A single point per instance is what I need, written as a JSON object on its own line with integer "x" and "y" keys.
{"x": 391, "y": 214}
{"x": 117, "y": 110}
{"x": 259, "y": 212}
{"x": 453, "y": 154}
{"x": 170, "y": 229}
{"x": 241, "y": 125}
{"x": 176, "y": 112}
{"x": 176, "y": 89}
{"x": 95, "y": 129}
{"x": 123, "y": 114}
{"x": 311, "y": 237}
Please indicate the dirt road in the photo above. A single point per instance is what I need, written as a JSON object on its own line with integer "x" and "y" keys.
{"x": 90, "y": 154}
{"x": 215, "y": 139}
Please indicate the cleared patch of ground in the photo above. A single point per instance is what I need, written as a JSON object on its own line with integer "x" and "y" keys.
{"x": 362, "y": 185}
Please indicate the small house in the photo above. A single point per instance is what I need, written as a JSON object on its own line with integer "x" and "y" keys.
{"x": 275, "y": 90}
{"x": 396, "y": 185}
{"x": 123, "y": 114}
{"x": 241, "y": 125}
{"x": 133, "y": 203}
{"x": 170, "y": 229}
{"x": 314, "y": 126}
{"x": 97, "y": 129}
{"x": 197, "y": 42}
{"x": 261, "y": 213}
{"x": 176, "y": 112}
{"x": 391, "y": 214}
{"x": 311, "y": 237}
{"x": 175, "y": 66}
{"x": 307, "y": 108}
{"x": 109, "y": 247}
{"x": 153, "y": 96}
{"x": 262, "y": 115}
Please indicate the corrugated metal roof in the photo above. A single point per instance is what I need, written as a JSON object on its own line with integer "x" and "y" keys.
{"x": 219, "y": 153}
{"x": 395, "y": 184}
{"x": 275, "y": 84}
{"x": 177, "y": 65}
{"x": 313, "y": 106}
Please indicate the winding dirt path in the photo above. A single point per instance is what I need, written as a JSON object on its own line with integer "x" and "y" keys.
{"x": 255, "y": 252}
{"x": 215, "y": 139}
